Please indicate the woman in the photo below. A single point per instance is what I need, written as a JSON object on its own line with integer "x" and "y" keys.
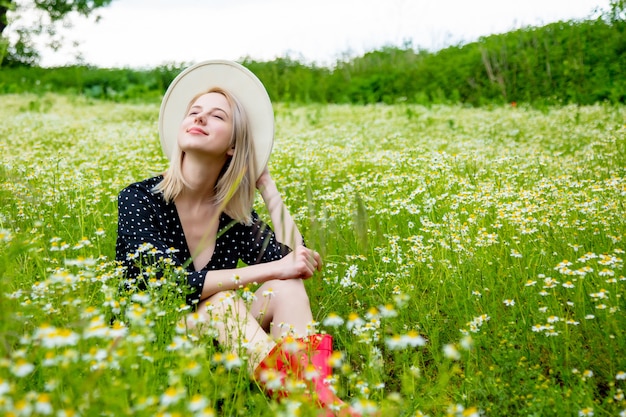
{"x": 199, "y": 214}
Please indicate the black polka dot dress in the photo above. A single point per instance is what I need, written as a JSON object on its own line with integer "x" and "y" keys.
{"x": 148, "y": 224}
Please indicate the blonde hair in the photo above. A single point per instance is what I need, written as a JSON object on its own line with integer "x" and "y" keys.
{"x": 235, "y": 188}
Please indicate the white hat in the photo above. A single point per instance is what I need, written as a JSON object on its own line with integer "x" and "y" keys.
{"x": 232, "y": 77}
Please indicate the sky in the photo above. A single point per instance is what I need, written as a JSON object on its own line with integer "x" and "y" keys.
{"x": 149, "y": 33}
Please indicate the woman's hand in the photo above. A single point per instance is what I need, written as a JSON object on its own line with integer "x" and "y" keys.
{"x": 264, "y": 179}
{"x": 302, "y": 263}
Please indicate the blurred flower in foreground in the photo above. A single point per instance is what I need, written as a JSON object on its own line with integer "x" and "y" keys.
{"x": 333, "y": 320}
{"x": 171, "y": 396}
{"x": 451, "y": 352}
{"x": 21, "y": 368}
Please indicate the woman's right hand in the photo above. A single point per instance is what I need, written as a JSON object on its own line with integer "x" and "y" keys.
{"x": 301, "y": 263}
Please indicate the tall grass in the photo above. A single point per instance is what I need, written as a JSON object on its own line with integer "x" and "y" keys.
{"x": 473, "y": 262}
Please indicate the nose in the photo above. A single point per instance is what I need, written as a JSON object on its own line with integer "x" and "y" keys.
{"x": 200, "y": 118}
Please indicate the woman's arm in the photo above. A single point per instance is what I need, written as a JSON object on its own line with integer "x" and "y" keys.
{"x": 284, "y": 227}
{"x": 299, "y": 264}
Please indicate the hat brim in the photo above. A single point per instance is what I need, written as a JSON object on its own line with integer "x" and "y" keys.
{"x": 232, "y": 77}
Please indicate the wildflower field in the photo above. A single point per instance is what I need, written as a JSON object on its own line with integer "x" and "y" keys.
{"x": 474, "y": 262}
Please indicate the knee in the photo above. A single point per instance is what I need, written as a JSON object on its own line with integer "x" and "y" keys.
{"x": 289, "y": 291}
{"x": 222, "y": 302}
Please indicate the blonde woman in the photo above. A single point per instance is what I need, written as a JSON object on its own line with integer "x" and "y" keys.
{"x": 216, "y": 127}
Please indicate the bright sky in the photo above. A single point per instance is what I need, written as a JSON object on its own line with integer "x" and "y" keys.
{"x": 147, "y": 33}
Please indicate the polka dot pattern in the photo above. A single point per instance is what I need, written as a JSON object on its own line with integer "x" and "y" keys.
{"x": 145, "y": 217}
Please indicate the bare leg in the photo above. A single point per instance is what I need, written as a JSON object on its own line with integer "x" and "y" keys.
{"x": 282, "y": 306}
{"x": 235, "y": 325}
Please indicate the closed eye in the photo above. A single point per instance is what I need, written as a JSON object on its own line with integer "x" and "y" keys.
{"x": 194, "y": 110}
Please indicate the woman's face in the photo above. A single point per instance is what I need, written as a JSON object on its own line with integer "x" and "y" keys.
{"x": 207, "y": 127}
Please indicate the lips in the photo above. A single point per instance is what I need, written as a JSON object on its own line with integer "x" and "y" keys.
{"x": 196, "y": 131}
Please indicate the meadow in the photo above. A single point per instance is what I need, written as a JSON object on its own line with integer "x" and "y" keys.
{"x": 473, "y": 262}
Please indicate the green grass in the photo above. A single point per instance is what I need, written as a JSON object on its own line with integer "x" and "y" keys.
{"x": 495, "y": 234}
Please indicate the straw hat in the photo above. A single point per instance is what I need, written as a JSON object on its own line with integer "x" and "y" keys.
{"x": 232, "y": 77}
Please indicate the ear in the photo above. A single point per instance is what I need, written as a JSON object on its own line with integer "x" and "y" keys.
{"x": 231, "y": 151}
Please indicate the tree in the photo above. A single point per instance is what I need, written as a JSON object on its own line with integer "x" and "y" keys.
{"x": 18, "y": 47}
{"x": 618, "y": 10}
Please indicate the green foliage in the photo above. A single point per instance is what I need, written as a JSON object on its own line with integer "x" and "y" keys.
{"x": 58, "y": 9}
{"x": 581, "y": 62}
{"x": 617, "y": 11}
{"x": 564, "y": 62}
{"x": 288, "y": 80}
{"x": 101, "y": 83}
{"x": 22, "y": 51}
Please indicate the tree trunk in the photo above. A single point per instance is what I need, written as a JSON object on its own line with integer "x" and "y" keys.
{"x": 5, "y": 7}
{"x": 3, "y": 17}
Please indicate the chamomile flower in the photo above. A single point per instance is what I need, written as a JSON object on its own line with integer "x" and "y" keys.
{"x": 21, "y": 368}
{"x": 451, "y": 352}
{"x": 232, "y": 361}
{"x": 364, "y": 406}
{"x": 192, "y": 368}
{"x": 467, "y": 343}
{"x": 336, "y": 359}
{"x": 181, "y": 342}
{"x": 310, "y": 372}
{"x": 538, "y": 328}
{"x": 43, "y": 404}
{"x": 395, "y": 342}
{"x": 5, "y": 235}
{"x": 333, "y": 320}
{"x": 197, "y": 403}
{"x": 471, "y": 412}
{"x": 172, "y": 395}
{"x": 52, "y": 337}
{"x": 354, "y": 321}
{"x": 96, "y": 328}
{"x": 388, "y": 311}
{"x": 205, "y": 412}
{"x": 271, "y": 379}
{"x": 413, "y": 339}
{"x": 291, "y": 344}
{"x": 4, "y": 387}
